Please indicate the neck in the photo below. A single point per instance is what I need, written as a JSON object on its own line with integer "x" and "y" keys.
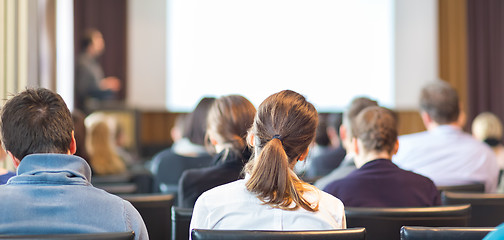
{"x": 366, "y": 157}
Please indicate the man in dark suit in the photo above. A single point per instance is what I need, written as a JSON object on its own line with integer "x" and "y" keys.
{"x": 377, "y": 182}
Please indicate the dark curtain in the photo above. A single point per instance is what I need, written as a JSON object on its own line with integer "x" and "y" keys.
{"x": 109, "y": 17}
{"x": 485, "y": 19}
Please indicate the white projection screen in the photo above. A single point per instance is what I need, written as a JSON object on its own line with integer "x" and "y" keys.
{"x": 328, "y": 50}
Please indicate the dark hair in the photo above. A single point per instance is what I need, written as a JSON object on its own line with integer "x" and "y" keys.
{"x": 356, "y": 106}
{"x": 229, "y": 119}
{"x": 376, "y": 127}
{"x": 440, "y": 101}
{"x": 195, "y": 127}
{"x": 87, "y": 37}
{"x": 283, "y": 128}
{"x": 36, "y": 121}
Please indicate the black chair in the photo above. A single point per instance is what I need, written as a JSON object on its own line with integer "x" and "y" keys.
{"x": 444, "y": 233}
{"x": 385, "y": 223}
{"x": 181, "y": 220}
{"x": 118, "y": 188}
{"x": 487, "y": 210}
{"x": 341, "y": 234}
{"x": 80, "y": 236}
{"x": 474, "y": 188}
{"x": 155, "y": 210}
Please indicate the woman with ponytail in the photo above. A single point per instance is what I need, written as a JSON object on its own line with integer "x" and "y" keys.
{"x": 272, "y": 197}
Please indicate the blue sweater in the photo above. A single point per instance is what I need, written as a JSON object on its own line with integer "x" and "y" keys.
{"x": 52, "y": 193}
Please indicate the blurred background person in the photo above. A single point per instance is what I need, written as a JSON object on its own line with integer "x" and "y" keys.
{"x": 487, "y": 127}
{"x": 101, "y": 146}
{"x": 228, "y": 122}
{"x": 78, "y": 118}
{"x": 188, "y": 150}
{"x": 92, "y": 88}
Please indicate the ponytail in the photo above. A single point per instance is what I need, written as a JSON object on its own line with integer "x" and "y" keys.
{"x": 273, "y": 180}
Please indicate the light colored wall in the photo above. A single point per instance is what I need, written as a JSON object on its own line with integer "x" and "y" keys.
{"x": 147, "y": 29}
{"x": 416, "y": 52}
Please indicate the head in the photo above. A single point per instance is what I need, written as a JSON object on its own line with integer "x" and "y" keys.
{"x": 375, "y": 134}
{"x": 487, "y": 127}
{"x": 195, "y": 125}
{"x": 439, "y": 104}
{"x": 333, "y": 128}
{"x": 92, "y": 42}
{"x": 101, "y": 146}
{"x": 283, "y": 129}
{"x": 37, "y": 121}
{"x": 80, "y": 134}
{"x": 356, "y": 106}
{"x": 228, "y": 121}
{"x": 321, "y": 137}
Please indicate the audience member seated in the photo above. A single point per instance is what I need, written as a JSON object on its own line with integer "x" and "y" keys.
{"x": 188, "y": 150}
{"x": 378, "y": 182}
{"x": 272, "y": 197}
{"x": 104, "y": 159}
{"x": 329, "y": 150}
{"x": 487, "y": 128}
{"x": 347, "y": 165}
{"x": 5, "y": 174}
{"x": 444, "y": 153}
{"x": 52, "y": 192}
{"x": 228, "y": 121}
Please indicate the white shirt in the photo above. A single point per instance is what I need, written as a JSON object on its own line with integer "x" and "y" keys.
{"x": 233, "y": 207}
{"x": 448, "y": 156}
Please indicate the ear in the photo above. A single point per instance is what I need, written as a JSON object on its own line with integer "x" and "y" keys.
{"x": 426, "y": 119}
{"x": 303, "y": 156}
{"x": 251, "y": 139}
{"x": 73, "y": 145}
{"x": 343, "y": 132}
{"x": 355, "y": 145}
{"x": 14, "y": 159}
{"x": 396, "y": 147}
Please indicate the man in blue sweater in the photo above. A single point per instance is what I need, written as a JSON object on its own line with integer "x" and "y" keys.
{"x": 52, "y": 192}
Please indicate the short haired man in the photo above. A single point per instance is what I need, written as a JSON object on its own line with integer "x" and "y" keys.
{"x": 444, "y": 153}
{"x": 347, "y": 165}
{"x": 378, "y": 182}
{"x": 52, "y": 192}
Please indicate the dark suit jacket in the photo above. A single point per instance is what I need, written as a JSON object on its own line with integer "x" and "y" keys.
{"x": 227, "y": 168}
{"x": 380, "y": 183}
{"x": 170, "y": 166}
{"x": 324, "y": 163}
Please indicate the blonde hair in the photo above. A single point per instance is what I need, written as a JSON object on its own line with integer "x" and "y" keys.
{"x": 487, "y": 125}
{"x": 283, "y": 128}
{"x": 104, "y": 159}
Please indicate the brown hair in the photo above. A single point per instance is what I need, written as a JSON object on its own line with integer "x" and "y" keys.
{"x": 283, "y": 128}
{"x": 376, "y": 127}
{"x": 228, "y": 121}
{"x": 356, "y": 106}
{"x": 440, "y": 101}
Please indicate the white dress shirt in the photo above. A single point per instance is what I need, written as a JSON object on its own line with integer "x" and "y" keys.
{"x": 448, "y": 156}
{"x": 233, "y": 207}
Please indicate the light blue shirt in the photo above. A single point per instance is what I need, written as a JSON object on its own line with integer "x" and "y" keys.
{"x": 52, "y": 194}
{"x": 448, "y": 156}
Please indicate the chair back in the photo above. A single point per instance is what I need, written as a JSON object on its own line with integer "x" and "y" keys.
{"x": 155, "y": 210}
{"x": 181, "y": 221}
{"x": 340, "y": 234}
{"x": 474, "y": 188}
{"x": 444, "y": 233}
{"x": 487, "y": 209}
{"x": 80, "y": 236}
{"x": 385, "y": 223}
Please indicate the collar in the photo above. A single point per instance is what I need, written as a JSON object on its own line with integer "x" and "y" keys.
{"x": 73, "y": 166}
{"x": 446, "y": 129}
{"x": 379, "y": 161}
